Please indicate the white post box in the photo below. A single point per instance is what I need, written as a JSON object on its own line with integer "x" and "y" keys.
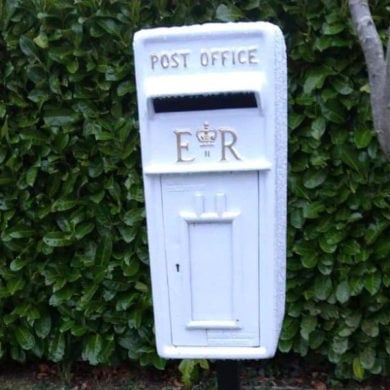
{"x": 212, "y": 112}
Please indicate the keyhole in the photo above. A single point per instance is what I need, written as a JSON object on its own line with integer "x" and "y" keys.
{"x": 178, "y": 267}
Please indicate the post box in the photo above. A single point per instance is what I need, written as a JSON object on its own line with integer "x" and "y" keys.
{"x": 212, "y": 114}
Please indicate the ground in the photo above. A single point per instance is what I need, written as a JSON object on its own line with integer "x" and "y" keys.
{"x": 282, "y": 373}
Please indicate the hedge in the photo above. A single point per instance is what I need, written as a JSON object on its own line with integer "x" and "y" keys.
{"x": 74, "y": 278}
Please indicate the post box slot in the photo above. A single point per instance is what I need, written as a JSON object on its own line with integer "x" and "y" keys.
{"x": 217, "y": 101}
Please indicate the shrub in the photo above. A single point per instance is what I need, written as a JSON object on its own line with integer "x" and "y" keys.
{"x": 74, "y": 280}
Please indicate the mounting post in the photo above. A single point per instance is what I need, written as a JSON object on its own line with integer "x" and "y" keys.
{"x": 228, "y": 375}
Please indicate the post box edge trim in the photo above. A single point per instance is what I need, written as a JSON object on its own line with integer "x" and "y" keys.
{"x": 160, "y": 34}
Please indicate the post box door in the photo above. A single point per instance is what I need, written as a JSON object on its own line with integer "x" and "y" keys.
{"x": 212, "y": 257}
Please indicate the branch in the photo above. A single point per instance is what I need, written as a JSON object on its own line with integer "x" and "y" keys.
{"x": 378, "y": 77}
{"x": 385, "y": 118}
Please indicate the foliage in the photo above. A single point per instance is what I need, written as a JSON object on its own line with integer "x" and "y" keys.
{"x": 74, "y": 279}
{"x": 189, "y": 369}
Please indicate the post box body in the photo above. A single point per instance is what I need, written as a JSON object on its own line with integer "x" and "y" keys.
{"x": 212, "y": 112}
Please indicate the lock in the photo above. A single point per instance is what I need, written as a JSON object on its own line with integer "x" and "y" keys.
{"x": 213, "y": 123}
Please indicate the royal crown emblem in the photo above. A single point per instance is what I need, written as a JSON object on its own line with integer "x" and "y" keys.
{"x": 206, "y": 135}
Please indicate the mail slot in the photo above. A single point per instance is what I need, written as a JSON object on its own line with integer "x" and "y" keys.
{"x": 212, "y": 114}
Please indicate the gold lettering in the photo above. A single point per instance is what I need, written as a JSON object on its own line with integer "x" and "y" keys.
{"x": 175, "y": 62}
{"x": 180, "y": 146}
{"x": 233, "y": 57}
{"x": 228, "y": 144}
{"x": 239, "y": 55}
{"x": 214, "y": 56}
{"x": 154, "y": 60}
{"x": 224, "y": 55}
{"x": 204, "y": 59}
{"x": 164, "y": 61}
{"x": 178, "y": 59}
{"x": 252, "y": 58}
{"x": 185, "y": 55}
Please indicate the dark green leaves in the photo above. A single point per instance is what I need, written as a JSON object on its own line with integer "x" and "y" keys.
{"x": 28, "y": 47}
{"x": 343, "y": 292}
{"x": 228, "y": 13}
{"x": 24, "y": 337}
{"x": 59, "y": 117}
{"x": 74, "y": 282}
{"x": 92, "y": 349}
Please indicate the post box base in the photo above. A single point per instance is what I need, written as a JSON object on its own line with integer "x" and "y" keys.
{"x": 170, "y": 352}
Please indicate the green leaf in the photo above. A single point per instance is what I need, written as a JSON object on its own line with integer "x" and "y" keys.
{"x": 312, "y": 210}
{"x": 340, "y": 345}
{"x": 334, "y": 112}
{"x": 125, "y": 301}
{"x": 370, "y": 327}
{"x": 133, "y": 217}
{"x": 24, "y": 338}
{"x": 295, "y": 120}
{"x": 285, "y": 346}
{"x": 362, "y": 137}
{"x": 229, "y": 13}
{"x": 62, "y": 295}
{"x": 109, "y": 25}
{"x": 4, "y": 129}
{"x": 92, "y": 349}
{"x": 352, "y": 248}
{"x": 372, "y": 282}
{"x": 41, "y": 40}
{"x": 314, "y": 178}
{"x": 18, "y": 263}
{"x": 135, "y": 319}
{"x": 358, "y": 369}
{"x": 322, "y": 287}
{"x": 128, "y": 234}
{"x": 367, "y": 358}
{"x": 290, "y": 328}
{"x": 296, "y": 219}
{"x": 308, "y": 324}
{"x": 350, "y": 157}
{"x": 57, "y": 239}
{"x": 20, "y": 231}
{"x": 60, "y": 117}
{"x": 31, "y": 176}
{"x": 341, "y": 85}
{"x": 314, "y": 79}
{"x": 333, "y": 29}
{"x": 142, "y": 287}
{"x": 132, "y": 268}
{"x": 57, "y": 347}
{"x": 308, "y": 253}
{"x": 83, "y": 230}
{"x": 353, "y": 319}
{"x": 387, "y": 343}
{"x": 14, "y": 285}
{"x": 316, "y": 339}
{"x": 104, "y": 250}
{"x": 329, "y": 241}
{"x": 343, "y": 292}
{"x": 28, "y": 47}
{"x": 124, "y": 88}
{"x": 188, "y": 369}
{"x": 374, "y": 231}
{"x": 42, "y": 326}
{"x": 318, "y": 127}
{"x": 72, "y": 65}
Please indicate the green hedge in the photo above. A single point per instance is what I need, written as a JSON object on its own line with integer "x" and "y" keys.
{"x": 74, "y": 278}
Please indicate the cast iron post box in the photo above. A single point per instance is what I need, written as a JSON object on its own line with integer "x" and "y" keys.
{"x": 212, "y": 112}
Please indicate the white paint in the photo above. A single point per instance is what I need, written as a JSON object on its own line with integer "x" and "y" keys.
{"x": 215, "y": 202}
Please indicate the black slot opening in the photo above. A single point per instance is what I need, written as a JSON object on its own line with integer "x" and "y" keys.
{"x": 218, "y": 101}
